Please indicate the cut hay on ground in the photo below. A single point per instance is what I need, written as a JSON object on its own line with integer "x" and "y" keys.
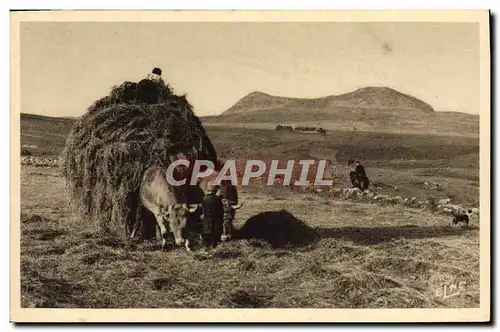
{"x": 119, "y": 137}
{"x": 279, "y": 229}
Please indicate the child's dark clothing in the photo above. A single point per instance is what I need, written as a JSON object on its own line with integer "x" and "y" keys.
{"x": 212, "y": 219}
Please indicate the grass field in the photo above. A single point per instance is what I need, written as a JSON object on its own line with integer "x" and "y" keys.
{"x": 340, "y": 254}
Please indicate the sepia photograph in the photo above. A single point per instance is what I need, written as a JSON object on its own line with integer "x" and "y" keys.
{"x": 187, "y": 166}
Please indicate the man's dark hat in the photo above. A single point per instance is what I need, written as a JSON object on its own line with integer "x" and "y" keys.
{"x": 157, "y": 71}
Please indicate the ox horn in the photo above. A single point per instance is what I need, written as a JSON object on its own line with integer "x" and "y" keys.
{"x": 190, "y": 207}
{"x": 237, "y": 206}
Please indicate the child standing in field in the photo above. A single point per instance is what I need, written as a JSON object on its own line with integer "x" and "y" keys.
{"x": 229, "y": 196}
{"x": 212, "y": 217}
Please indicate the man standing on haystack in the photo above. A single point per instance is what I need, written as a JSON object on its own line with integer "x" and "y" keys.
{"x": 212, "y": 215}
{"x": 155, "y": 75}
{"x": 148, "y": 89}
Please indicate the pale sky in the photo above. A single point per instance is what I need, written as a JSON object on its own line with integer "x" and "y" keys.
{"x": 65, "y": 67}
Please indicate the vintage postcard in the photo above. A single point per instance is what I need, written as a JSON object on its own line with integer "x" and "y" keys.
{"x": 250, "y": 166}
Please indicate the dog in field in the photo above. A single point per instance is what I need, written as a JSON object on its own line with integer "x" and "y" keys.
{"x": 461, "y": 217}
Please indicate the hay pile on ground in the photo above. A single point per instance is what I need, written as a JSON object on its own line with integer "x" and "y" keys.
{"x": 280, "y": 229}
{"x": 119, "y": 137}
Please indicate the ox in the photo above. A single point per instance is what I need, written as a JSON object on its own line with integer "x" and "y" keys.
{"x": 167, "y": 203}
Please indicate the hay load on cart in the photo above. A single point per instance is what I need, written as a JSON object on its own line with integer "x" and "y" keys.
{"x": 138, "y": 125}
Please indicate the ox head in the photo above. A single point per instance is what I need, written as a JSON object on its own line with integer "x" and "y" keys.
{"x": 177, "y": 216}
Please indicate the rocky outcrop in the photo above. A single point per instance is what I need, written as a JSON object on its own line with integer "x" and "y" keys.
{"x": 39, "y": 161}
{"x": 443, "y": 206}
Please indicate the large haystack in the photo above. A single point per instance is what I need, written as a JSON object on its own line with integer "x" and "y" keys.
{"x": 136, "y": 126}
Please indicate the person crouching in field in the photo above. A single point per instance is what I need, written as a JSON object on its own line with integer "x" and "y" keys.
{"x": 229, "y": 197}
{"x": 212, "y": 215}
{"x": 358, "y": 176}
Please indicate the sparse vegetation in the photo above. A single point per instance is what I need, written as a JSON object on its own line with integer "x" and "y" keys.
{"x": 314, "y": 251}
{"x": 284, "y": 127}
{"x": 359, "y": 256}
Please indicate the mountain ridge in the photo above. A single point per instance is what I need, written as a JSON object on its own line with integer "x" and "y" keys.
{"x": 368, "y": 109}
{"x": 370, "y": 97}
